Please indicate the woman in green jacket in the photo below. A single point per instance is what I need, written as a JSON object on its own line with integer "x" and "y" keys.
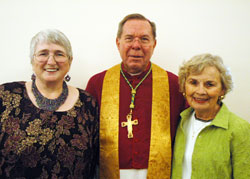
{"x": 211, "y": 142}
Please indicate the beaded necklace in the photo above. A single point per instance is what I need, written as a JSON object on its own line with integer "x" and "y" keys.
{"x": 49, "y": 104}
{"x": 129, "y": 122}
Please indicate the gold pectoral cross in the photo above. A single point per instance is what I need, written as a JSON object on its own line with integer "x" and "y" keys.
{"x": 129, "y": 125}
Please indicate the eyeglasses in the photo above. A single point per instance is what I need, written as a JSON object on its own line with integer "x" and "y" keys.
{"x": 44, "y": 56}
{"x": 144, "y": 40}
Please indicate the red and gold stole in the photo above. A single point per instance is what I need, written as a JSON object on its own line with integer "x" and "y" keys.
{"x": 159, "y": 165}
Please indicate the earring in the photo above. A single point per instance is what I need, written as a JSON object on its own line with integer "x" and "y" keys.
{"x": 184, "y": 94}
{"x": 33, "y": 77}
{"x": 67, "y": 78}
{"x": 221, "y": 97}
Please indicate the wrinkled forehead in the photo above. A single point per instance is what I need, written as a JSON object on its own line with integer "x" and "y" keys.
{"x": 137, "y": 27}
{"x": 49, "y": 46}
{"x": 207, "y": 72}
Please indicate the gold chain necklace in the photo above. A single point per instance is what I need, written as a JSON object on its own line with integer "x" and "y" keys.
{"x": 129, "y": 122}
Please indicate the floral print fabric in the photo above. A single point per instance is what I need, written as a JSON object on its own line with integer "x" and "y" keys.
{"x": 35, "y": 143}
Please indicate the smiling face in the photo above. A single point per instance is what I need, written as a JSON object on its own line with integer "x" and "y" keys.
{"x": 50, "y": 70}
{"x": 136, "y": 45}
{"x": 203, "y": 90}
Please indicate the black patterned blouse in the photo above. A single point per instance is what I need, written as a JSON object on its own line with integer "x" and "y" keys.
{"x": 35, "y": 143}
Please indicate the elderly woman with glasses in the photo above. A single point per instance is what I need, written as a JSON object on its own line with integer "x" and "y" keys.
{"x": 48, "y": 129}
{"x": 211, "y": 142}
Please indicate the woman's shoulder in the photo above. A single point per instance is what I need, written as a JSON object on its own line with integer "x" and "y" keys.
{"x": 236, "y": 124}
{"x": 86, "y": 96}
{"x": 87, "y": 101}
{"x": 84, "y": 93}
{"x": 239, "y": 124}
{"x": 12, "y": 86}
{"x": 232, "y": 117}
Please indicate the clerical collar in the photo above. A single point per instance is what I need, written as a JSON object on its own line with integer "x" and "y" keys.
{"x": 138, "y": 75}
{"x": 134, "y": 74}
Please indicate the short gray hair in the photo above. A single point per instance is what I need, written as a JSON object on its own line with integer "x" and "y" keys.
{"x": 51, "y": 36}
{"x": 197, "y": 64}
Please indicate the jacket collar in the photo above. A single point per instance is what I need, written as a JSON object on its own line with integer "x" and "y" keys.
{"x": 220, "y": 120}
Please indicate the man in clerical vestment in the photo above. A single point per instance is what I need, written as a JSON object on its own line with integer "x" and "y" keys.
{"x": 140, "y": 105}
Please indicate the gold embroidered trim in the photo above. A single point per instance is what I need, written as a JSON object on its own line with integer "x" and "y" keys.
{"x": 159, "y": 165}
{"x": 109, "y": 124}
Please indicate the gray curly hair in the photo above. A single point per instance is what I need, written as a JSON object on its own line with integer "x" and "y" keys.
{"x": 197, "y": 64}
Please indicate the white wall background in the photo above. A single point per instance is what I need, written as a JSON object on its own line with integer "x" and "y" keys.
{"x": 184, "y": 28}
